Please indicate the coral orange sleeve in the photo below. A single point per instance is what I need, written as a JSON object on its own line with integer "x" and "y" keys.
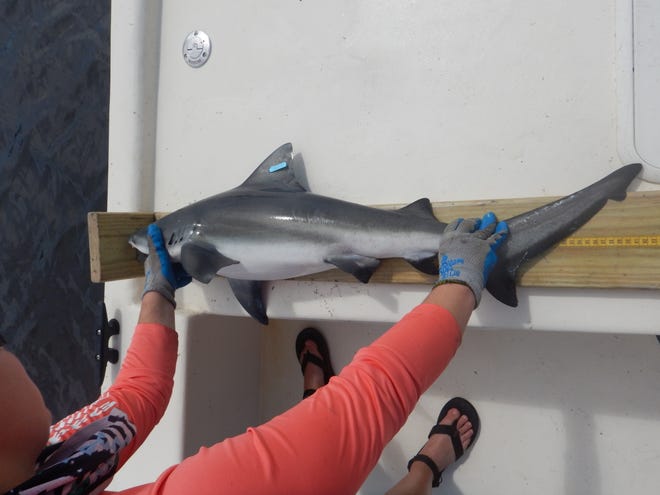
{"x": 142, "y": 389}
{"x": 328, "y": 443}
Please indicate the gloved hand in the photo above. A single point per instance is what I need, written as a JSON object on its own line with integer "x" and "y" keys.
{"x": 467, "y": 251}
{"x": 161, "y": 275}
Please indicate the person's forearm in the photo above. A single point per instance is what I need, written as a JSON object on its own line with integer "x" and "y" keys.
{"x": 458, "y": 299}
{"x": 156, "y": 309}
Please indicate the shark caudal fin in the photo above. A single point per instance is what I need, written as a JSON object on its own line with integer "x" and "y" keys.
{"x": 536, "y": 231}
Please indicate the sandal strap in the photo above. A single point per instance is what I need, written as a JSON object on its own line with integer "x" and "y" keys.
{"x": 308, "y": 392}
{"x": 308, "y": 357}
{"x": 437, "y": 474}
{"x": 313, "y": 335}
{"x": 453, "y": 433}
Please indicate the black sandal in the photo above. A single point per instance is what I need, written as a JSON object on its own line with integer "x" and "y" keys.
{"x": 323, "y": 362}
{"x": 465, "y": 409}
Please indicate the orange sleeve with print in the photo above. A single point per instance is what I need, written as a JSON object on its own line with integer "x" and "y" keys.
{"x": 329, "y": 442}
{"x": 142, "y": 389}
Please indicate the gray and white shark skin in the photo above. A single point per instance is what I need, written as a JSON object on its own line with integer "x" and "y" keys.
{"x": 272, "y": 228}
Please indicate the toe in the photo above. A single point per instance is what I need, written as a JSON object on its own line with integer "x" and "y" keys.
{"x": 451, "y": 416}
{"x": 466, "y": 431}
{"x": 466, "y": 438}
{"x": 310, "y": 346}
{"x": 463, "y": 425}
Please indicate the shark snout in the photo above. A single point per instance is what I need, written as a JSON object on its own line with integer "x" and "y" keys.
{"x": 139, "y": 241}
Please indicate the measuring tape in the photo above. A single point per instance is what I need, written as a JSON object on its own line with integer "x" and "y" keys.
{"x": 641, "y": 241}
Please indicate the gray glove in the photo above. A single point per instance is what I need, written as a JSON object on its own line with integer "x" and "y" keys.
{"x": 467, "y": 252}
{"x": 160, "y": 274}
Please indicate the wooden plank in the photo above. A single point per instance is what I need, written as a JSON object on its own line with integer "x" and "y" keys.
{"x": 110, "y": 255}
{"x": 595, "y": 267}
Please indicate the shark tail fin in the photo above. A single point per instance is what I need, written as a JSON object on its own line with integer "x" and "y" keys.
{"x": 502, "y": 285}
{"x": 534, "y": 232}
{"x": 619, "y": 180}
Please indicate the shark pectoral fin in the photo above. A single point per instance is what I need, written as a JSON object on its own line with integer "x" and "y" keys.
{"x": 424, "y": 262}
{"x": 502, "y": 285}
{"x": 202, "y": 260}
{"x": 361, "y": 267}
{"x": 250, "y": 295}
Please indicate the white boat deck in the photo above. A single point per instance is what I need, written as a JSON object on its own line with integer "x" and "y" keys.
{"x": 388, "y": 103}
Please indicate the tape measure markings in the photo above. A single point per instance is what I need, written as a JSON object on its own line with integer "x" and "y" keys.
{"x": 643, "y": 241}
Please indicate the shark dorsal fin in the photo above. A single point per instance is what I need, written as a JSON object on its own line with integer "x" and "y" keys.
{"x": 420, "y": 208}
{"x": 275, "y": 173}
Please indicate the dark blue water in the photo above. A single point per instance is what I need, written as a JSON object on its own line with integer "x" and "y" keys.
{"x": 54, "y": 94}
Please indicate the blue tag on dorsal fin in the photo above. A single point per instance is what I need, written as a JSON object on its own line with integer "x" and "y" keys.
{"x": 264, "y": 177}
{"x": 277, "y": 167}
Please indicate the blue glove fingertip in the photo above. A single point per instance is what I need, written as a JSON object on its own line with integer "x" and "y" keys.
{"x": 502, "y": 228}
{"x": 488, "y": 219}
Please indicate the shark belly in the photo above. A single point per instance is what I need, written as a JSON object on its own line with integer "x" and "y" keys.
{"x": 275, "y": 261}
{"x": 292, "y": 254}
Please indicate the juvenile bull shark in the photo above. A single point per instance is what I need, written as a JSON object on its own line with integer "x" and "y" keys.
{"x": 272, "y": 228}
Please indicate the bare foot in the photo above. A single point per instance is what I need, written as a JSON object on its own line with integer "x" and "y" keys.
{"x": 313, "y": 376}
{"x": 439, "y": 447}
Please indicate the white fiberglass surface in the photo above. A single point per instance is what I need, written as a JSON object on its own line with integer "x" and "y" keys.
{"x": 638, "y": 76}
